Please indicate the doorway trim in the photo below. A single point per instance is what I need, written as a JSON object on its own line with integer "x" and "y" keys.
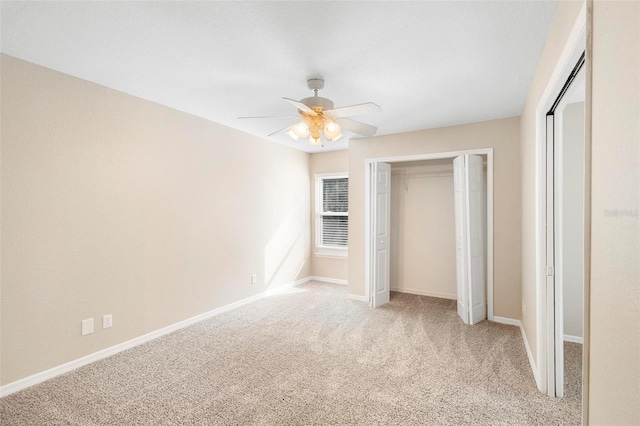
{"x": 368, "y": 246}
{"x": 545, "y": 304}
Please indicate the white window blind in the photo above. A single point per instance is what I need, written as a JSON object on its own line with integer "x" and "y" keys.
{"x": 333, "y": 212}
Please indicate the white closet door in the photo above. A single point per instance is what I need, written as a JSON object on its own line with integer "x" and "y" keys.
{"x": 460, "y": 200}
{"x": 381, "y": 189}
{"x": 475, "y": 235}
{"x": 470, "y": 256}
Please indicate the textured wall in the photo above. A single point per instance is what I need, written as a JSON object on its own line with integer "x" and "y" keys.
{"x": 614, "y": 375}
{"x": 502, "y": 135}
{"x": 113, "y": 204}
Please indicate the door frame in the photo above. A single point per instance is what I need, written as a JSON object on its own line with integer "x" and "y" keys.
{"x": 557, "y": 209}
{"x": 545, "y": 303}
{"x": 369, "y": 211}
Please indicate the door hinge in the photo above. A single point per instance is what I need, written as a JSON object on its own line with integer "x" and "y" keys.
{"x": 549, "y": 271}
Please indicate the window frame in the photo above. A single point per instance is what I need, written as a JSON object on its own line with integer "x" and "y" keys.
{"x": 322, "y": 250}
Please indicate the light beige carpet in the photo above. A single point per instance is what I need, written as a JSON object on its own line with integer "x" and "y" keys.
{"x": 573, "y": 370}
{"x": 309, "y": 357}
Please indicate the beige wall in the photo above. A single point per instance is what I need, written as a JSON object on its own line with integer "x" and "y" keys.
{"x": 572, "y": 218}
{"x": 423, "y": 249}
{"x": 113, "y": 204}
{"x": 326, "y": 162}
{"x": 502, "y": 135}
{"x": 559, "y": 30}
{"x": 614, "y": 374}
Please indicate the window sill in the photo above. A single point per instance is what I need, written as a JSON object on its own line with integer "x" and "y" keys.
{"x": 332, "y": 252}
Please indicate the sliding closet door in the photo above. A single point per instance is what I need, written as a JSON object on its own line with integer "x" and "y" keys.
{"x": 470, "y": 255}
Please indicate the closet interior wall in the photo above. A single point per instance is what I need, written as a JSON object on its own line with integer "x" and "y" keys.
{"x": 423, "y": 252}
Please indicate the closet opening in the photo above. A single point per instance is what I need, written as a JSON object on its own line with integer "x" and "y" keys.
{"x": 415, "y": 215}
{"x": 565, "y": 228}
{"x": 563, "y": 221}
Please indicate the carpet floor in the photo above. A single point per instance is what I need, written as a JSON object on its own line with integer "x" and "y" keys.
{"x": 573, "y": 370}
{"x": 308, "y": 356}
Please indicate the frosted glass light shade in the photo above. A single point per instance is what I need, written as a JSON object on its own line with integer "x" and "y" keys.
{"x": 316, "y": 142}
{"x": 301, "y": 129}
{"x": 332, "y": 130}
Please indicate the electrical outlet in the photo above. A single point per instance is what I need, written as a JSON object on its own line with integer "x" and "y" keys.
{"x": 87, "y": 326}
{"x": 107, "y": 321}
{"x": 254, "y": 279}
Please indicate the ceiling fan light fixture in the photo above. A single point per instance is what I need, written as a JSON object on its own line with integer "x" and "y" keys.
{"x": 317, "y": 119}
{"x": 315, "y": 142}
{"x": 332, "y": 130}
{"x": 301, "y": 129}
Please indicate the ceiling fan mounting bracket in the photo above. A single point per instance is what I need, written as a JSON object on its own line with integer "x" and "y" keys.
{"x": 315, "y": 84}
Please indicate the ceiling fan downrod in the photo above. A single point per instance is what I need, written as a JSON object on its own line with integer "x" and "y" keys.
{"x": 315, "y": 84}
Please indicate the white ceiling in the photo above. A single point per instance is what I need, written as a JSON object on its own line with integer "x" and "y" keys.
{"x": 427, "y": 64}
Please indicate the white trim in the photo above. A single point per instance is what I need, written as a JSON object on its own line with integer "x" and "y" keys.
{"x": 532, "y": 362}
{"x": 577, "y": 86}
{"x": 358, "y": 297}
{"x": 331, "y": 254}
{"x": 507, "y": 321}
{"x": 329, "y": 280}
{"x": 432, "y": 156}
{"x": 321, "y": 250}
{"x": 368, "y": 231}
{"x": 424, "y": 293}
{"x": 104, "y": 353}
{"x": 572, "y": 339}
{"x": 300, "y": 282}
{"x": 323, "y": 279}
{"x": 489, "y": 229}
{"x": 571, "y": 52}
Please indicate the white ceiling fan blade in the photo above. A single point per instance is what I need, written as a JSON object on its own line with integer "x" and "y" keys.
{"x": 357, "y": 127}
{"x": 301, "y": 106}
{"x": 353, "y": 110}
{"x": 267, "y": 116}
{"x": 279, "y": 131}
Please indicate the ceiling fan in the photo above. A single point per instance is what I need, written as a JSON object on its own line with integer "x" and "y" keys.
{"x": 318, "y": 120}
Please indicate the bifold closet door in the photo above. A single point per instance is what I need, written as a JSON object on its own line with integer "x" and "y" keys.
{"x": 470, "y": 257}
{"x": 381, "y": 191}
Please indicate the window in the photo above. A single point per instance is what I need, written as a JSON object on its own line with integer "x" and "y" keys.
{"x": 332, "y": 215}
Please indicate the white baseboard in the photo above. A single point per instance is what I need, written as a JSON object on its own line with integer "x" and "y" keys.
{"x": 532, "y": 362}
{"x": 323, "y": 279}
{"x": 104, "y": 353}
{"x": 300, "y": 282}
{"x": 573, "y": 339}
{"x": 424, "y": 293}
{"x": 508, "y": 321}
{"x": 358, "y": 297}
